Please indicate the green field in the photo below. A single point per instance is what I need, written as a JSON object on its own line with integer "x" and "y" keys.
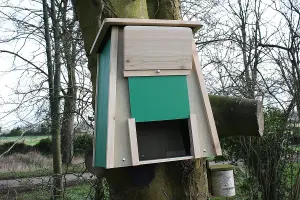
{"x": 28, "y": 140}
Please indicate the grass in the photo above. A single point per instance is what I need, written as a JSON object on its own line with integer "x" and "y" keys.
{"x": 28, "y": 140}
{"x": 33, "y": 164}
{"x": 78, "y": 192}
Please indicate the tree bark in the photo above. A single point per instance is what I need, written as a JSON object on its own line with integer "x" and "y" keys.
{"x": 236, "y": 116}
{"x": 54, "y": 90}
{"x": 69, "y": 49}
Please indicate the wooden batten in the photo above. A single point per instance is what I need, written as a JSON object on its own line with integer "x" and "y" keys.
{"x": 133, "y": 142}
{"x": 95, "y": 117}
{"x": 112, "y": 97}
{"x": 194, "y": 136}
{"x": 156, "y": 73}
{"x": 122, "y": 142}
{"x": 208, "y": 110}
{"x": 166, "y": 160}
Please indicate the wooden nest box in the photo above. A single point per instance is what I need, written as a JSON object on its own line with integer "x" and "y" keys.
{"x": 151, "y": 102}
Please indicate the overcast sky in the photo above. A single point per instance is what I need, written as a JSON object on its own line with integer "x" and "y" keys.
{"x": 9, "y": 81}
{"x": 25, "y": 48}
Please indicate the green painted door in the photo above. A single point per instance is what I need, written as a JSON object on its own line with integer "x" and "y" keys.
{"x": 158, "y": 98}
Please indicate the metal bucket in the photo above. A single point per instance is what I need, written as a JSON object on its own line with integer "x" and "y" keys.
{"x": 222, "y": 180}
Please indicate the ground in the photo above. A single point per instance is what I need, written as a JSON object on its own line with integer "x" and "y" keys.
{"x": 33, "y": 164}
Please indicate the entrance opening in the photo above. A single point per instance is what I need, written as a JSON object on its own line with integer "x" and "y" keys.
{"x": 163, "y": 139}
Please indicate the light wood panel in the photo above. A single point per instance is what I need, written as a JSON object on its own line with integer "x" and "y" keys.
{"x": 197, "y": 107}
{"x": 194, "y": 136}
{"x": 205, "y": 99}
{"x": 122, "y": 142}
{"x": 165, "y": 160}
{"x": 133, "y": 142}
{"x": 158, "y": 48}
{"x": 156, "y": 73}
{"x": 108, "y": 22}
{"x": 112, "y": 98}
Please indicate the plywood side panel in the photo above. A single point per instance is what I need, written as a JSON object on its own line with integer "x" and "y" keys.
{"x": 197, "y": 107}
{"x": 102, "y": 106}
{"x": 121, "y": 146}
{"x": 205, "y": 99}
{"x": 152, "y": 47}
{"x": 112, "y": 98}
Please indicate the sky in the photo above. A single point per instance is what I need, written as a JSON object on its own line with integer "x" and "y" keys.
{"x": 31, "y": 48}
{"x": 27, "y": 48}
{"x": 8, "y": 81}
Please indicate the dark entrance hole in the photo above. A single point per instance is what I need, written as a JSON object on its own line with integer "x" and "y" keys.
{"x": 163, "y": 139}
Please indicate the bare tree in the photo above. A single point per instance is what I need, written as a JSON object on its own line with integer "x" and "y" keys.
{"x": 58, "y": 38}
{"x": 69, "y": 49}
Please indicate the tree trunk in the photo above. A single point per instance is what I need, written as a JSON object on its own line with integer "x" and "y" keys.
{"x": 67, "y": 128}
{"x": 69, "y": 49}
{"x": 175, "y": 180}
{"x": 54, "y": 90}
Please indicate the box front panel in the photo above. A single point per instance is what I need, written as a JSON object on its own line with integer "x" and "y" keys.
{"x": 102, "y": 106}
{"x": 157, "y": 48}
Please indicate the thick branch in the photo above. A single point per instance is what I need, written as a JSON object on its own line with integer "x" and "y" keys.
{"x": 237, "y": 116}
{"x": 273, "y": 46}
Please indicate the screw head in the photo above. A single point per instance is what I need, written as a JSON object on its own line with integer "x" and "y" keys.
{"x": 158, "y": 71}
{"x": 204, "y": 150}
{"x": 124, "y": 159}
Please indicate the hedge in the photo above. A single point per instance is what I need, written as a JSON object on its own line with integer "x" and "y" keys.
{"x": 82, "y": 143}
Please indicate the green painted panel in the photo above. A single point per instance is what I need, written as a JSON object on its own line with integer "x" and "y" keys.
{"x": 102, "y": 106}
{"x": 158, "y": 98}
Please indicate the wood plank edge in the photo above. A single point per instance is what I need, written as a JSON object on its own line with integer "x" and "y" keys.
{"x": 133, "y": 142}
{"x": 112, "y": 98}
{"x": 208, "y": 110}
{"x": 95, "y": 116}
{"x": 194, "y": 136}
{"x": 127, "y": 73}
{"x": 166, "y": 160}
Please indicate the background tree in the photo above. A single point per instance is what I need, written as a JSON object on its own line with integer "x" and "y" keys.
{"x": 239, "y": 66}
{"x": 58, "y": 40}
{"x": 70, "y": 41}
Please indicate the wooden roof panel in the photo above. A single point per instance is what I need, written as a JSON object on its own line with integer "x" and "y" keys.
{"x": 108, "y": 22}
